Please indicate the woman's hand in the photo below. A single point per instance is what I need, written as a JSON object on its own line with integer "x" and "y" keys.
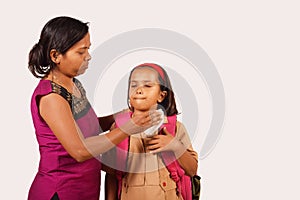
{"x": 140, "y": 122}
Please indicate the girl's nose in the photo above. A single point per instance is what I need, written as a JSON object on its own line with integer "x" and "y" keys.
{"x": 139, "y": 90}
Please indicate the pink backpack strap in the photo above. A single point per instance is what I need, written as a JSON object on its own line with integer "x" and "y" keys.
{"x": 183, "y": 182}
{"x": 121, "y": 150}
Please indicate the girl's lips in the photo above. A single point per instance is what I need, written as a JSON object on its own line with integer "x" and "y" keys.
{"x": 139, "y": 98}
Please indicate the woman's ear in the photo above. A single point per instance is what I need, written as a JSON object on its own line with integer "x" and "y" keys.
{"x": 162, "y": 96}
{"x": 55, "y": 56}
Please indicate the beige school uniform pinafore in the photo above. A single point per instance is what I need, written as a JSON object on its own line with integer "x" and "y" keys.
{"x": 148, "y": 178}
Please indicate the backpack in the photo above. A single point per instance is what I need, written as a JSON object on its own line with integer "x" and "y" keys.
{"x": 183, "y": 182}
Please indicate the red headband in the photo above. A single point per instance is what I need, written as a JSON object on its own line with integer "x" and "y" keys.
{"x": 155, "y": 67}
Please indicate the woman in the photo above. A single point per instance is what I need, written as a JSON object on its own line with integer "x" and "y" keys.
{"x": 66, "y": 126}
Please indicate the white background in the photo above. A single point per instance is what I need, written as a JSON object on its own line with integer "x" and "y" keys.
{"x": 255, "y": 47}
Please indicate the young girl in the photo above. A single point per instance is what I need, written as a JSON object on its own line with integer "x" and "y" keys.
{"x": 153, "y": 165}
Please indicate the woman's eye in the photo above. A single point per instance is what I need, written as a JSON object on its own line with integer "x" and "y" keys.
{"x": 81, "y": 52}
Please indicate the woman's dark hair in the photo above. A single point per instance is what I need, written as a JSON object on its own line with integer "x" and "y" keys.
{"x": 60, "y": 33}
{"x": 168, "y": 103}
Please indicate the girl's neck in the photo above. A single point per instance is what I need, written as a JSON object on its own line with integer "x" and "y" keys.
{"x": 137, "y": 112}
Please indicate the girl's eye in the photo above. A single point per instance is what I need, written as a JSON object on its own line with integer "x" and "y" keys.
{"x": 133, "y": 86}
{"x": 150, "y": 84}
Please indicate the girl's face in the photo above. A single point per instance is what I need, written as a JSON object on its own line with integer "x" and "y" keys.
{"x": 75, "y": 61}
{"x": 144, "y": 89}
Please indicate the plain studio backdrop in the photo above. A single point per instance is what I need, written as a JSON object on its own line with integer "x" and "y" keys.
{"x": 255, "y": 48}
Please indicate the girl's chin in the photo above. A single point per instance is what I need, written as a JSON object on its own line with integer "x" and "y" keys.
{"x": 141, "y": 110}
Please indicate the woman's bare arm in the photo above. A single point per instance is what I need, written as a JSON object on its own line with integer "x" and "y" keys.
{"x": 56, "y": 112}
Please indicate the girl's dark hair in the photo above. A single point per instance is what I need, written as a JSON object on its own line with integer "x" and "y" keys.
{"x": 168, "y": 103}
{"x": 60, "y": 33}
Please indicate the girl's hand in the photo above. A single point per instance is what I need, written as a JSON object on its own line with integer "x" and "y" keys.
{"x": 163, "y": 142}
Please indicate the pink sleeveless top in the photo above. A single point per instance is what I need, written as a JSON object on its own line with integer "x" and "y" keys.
{"x": 58, "y": 172}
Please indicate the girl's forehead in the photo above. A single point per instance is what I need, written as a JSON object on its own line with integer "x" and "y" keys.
{"x": 144, "y": 72}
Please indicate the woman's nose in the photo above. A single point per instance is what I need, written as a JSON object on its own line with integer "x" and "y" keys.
{"x": 88, "y": 57}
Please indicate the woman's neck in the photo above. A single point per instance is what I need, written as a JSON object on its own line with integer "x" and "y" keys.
{"x": 64, "y": 81}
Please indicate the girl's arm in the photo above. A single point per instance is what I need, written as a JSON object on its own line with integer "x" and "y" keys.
{"x": 56, "y": 112}
{"x": 188, "y": 162}
{"x": 181, "y": 147}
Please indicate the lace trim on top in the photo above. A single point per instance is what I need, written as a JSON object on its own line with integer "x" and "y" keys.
{"x": 79, "y": 106}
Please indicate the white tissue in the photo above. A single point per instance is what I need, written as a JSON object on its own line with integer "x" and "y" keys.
{"x": 151, "y": 131}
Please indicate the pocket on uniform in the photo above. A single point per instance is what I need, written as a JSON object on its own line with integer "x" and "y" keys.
{"x": 133, "y": 180}
{"x": 166, "y": 183}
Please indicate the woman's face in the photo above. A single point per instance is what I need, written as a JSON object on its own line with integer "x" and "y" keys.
{"x": 144, "y": 89}
{"x": 75, "y": 61}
